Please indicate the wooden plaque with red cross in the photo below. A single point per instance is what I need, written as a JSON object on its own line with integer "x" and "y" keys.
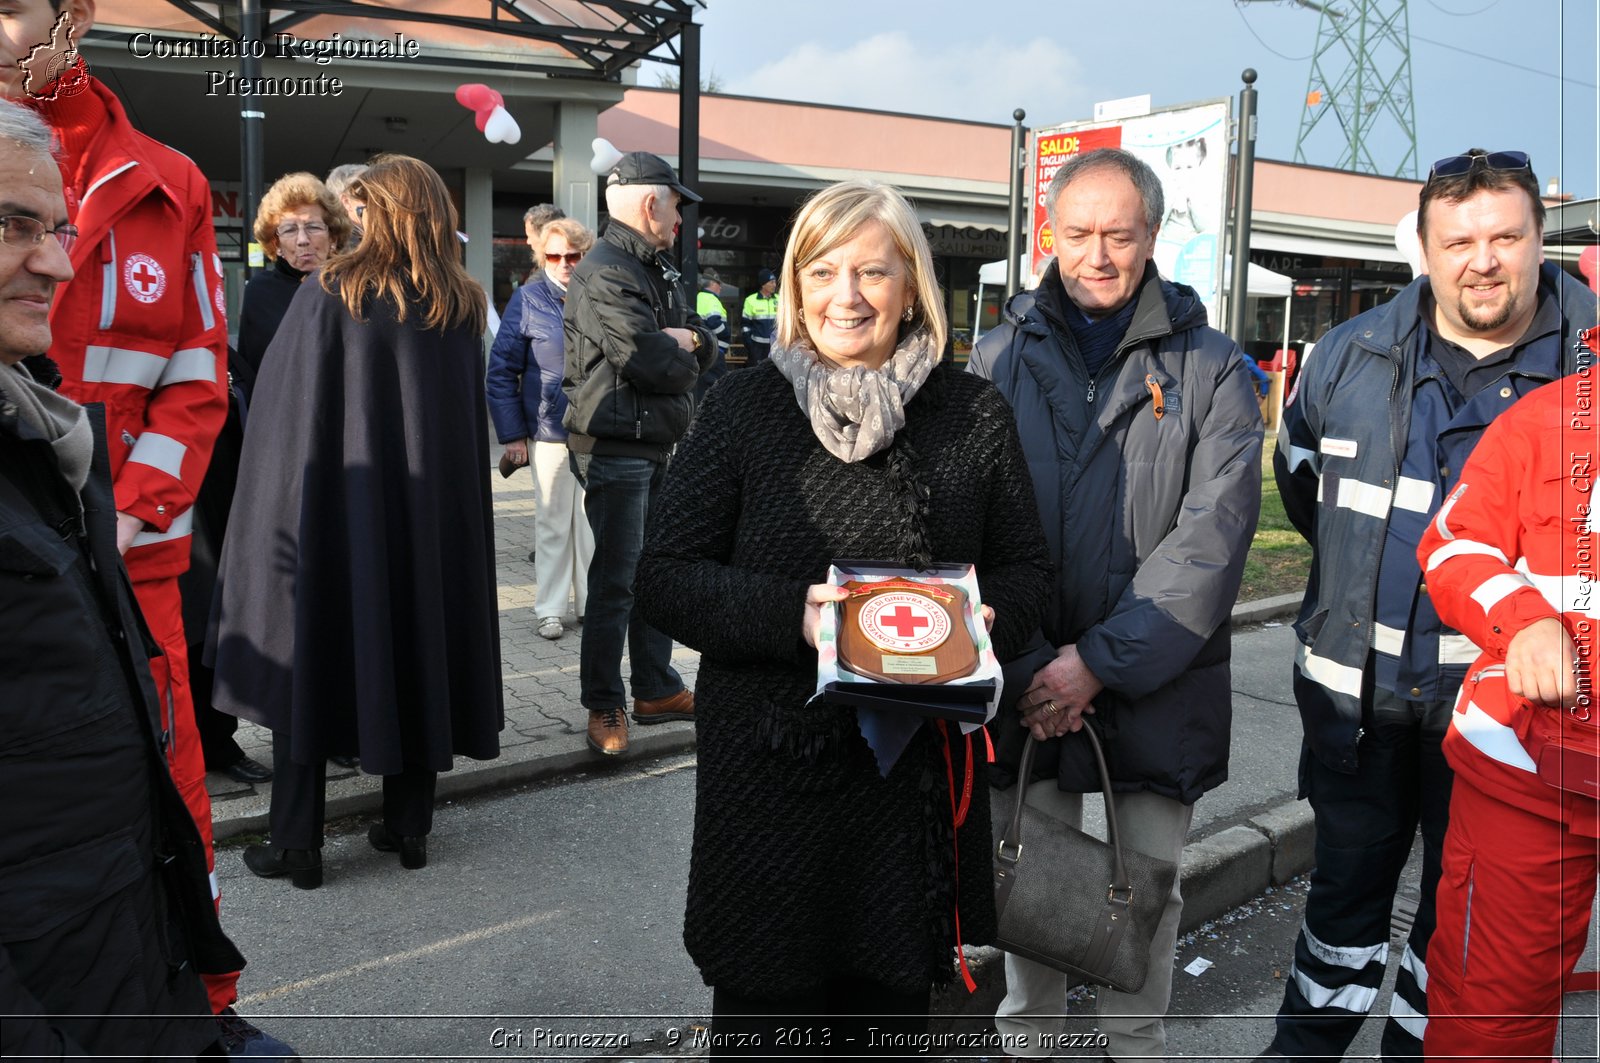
{"x": 904, "y": 631}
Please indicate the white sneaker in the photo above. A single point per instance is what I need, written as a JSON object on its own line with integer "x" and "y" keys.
{"x": 550, "y": 627}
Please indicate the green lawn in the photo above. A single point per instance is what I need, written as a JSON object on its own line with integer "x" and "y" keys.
{"x": 1279, "y": 559}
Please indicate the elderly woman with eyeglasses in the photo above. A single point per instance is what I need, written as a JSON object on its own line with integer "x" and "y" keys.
{"x": 300, "y": 225}
{"x": 526, "y": 402}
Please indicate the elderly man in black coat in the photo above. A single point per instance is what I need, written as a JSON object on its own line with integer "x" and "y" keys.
{"x": 635, "y": 352}
{"x": 105, "y": 910}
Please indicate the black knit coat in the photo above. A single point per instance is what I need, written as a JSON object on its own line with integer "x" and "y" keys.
{"x": 808, "y": 864}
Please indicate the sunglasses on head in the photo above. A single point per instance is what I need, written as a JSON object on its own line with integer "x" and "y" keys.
{"x": 1456, "y": 165}
{"x": 571, "y": 258}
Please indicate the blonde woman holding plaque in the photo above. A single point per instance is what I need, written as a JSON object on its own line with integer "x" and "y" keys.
{"x": 824, "y": 882}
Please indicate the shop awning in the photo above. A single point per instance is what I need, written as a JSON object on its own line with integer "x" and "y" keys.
{"x": 961, "y": 217}
{"x": 1316, "y": 245}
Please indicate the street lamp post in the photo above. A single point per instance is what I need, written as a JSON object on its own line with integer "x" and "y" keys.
{"x": 1019, "y": 224}
{"x": 1243, "y": 190}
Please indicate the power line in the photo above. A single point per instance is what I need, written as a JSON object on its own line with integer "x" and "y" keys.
{"x": 1264, "y": 44}
{"x": 1462, "y": 14}
{"x": 1501, "y": 60}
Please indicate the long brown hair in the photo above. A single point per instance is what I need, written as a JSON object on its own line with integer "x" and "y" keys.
{"x": 409, "y": 236}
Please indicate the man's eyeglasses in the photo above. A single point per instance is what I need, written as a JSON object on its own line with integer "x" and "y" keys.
{"x": 312, "y": 229}
{"x": 571, "y": 258}
{"x": 19, "y": 230}
{"x": 1456, "y": 165}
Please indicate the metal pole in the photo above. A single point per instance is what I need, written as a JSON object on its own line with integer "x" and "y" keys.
{"x": 252, "y": 120}
{"x": 1019, "y": 226}
{"x": 1243, "y": 189}
{"x": 689, "y": 154}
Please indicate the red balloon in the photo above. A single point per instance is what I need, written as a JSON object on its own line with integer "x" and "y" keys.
{"x": 481, "y": 100}
{"x": 1589, "y": 266}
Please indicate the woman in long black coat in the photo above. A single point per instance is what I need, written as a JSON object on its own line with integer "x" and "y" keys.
{"x": 299, "y": 225}
{"x": 817, "y": 886}
{"x": 357, "y": 594}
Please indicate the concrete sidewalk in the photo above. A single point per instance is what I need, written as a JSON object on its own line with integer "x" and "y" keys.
{"x": 1248, "y": 834}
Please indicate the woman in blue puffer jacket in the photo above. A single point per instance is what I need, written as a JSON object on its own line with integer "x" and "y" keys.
{"x": 526, "y": 403}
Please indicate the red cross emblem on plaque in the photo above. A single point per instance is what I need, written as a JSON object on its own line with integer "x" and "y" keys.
{"x": 905, "y": 622}
{"x": 902, "y": 622}
{"x": 144, "y": 278}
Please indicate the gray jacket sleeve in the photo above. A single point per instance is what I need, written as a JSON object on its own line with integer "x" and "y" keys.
{"x": 1185, "y": 589}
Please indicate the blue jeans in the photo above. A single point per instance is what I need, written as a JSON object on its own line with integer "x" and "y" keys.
{"x": 619, "y": 493}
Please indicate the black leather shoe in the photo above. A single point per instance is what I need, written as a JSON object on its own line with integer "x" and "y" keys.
{"x": 303, "y": 866}
{"x": 413, "y": 851}
{"x": 247, "y": 770}
{"x": 344, "y": 761}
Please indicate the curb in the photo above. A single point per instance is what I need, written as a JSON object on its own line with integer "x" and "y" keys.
{"x": 241, "y": 814}
{"x": 363, "y": 794}
{"x": 1261, "y": 609}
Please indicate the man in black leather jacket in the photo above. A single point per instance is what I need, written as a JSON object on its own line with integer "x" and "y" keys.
{"x": 634, "y": 352}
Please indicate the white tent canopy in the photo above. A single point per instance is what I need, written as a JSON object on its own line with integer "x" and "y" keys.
{"x": 1260, "y": 281}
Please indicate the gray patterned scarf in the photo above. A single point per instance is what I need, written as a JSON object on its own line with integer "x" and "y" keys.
{"x": 856, "y": 411}
{"x": 60, "y": 420}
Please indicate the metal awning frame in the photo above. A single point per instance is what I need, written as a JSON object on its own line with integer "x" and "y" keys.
{"x": 637, "y": 29}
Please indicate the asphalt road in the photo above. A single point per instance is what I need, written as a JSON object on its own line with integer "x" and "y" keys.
{"x": 548, "y": 922}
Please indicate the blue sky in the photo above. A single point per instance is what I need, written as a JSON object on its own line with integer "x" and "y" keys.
{"x": 1485, "y": 73}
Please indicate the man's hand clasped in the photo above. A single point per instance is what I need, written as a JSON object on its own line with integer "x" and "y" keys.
{"x": 1059, "y": 695}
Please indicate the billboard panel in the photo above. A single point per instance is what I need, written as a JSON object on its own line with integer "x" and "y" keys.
{"x": 1187, "y": 146}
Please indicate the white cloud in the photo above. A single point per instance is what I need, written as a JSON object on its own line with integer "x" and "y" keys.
{"x": 982, "y": 81}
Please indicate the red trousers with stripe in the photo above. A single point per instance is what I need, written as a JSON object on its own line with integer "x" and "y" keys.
{"x": 1514, "y": 904}
{"x": 162, "y": 607}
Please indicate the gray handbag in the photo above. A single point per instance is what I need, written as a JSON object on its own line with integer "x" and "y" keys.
{"x": 1084, "y": 907}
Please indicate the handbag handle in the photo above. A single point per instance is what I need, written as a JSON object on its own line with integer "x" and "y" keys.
{"x": 1120, "y": 888}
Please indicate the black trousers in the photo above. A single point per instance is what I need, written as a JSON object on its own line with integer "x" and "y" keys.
{"x": 1366, "y": 826}
{"x": 842, "y": 1020}
{"x": 216, "y": 728}
{"x": 300, "y": 800}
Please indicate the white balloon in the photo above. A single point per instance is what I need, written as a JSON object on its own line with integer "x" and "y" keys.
{"x": 606, "y": 156}
{"x": 1407, "y": 242}
{"x": 501, "y": 128}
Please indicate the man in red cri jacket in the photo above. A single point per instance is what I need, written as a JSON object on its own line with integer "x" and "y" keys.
{"x": 141, "y": 331}
{"x": 1511, "y": 562}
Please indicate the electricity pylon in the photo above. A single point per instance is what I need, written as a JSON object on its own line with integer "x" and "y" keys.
{"x": 1359, "y": 91}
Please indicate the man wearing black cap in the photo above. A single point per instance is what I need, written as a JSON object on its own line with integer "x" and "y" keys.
{"x": 634, "y": 352}
{"x": 760, "y": 317}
